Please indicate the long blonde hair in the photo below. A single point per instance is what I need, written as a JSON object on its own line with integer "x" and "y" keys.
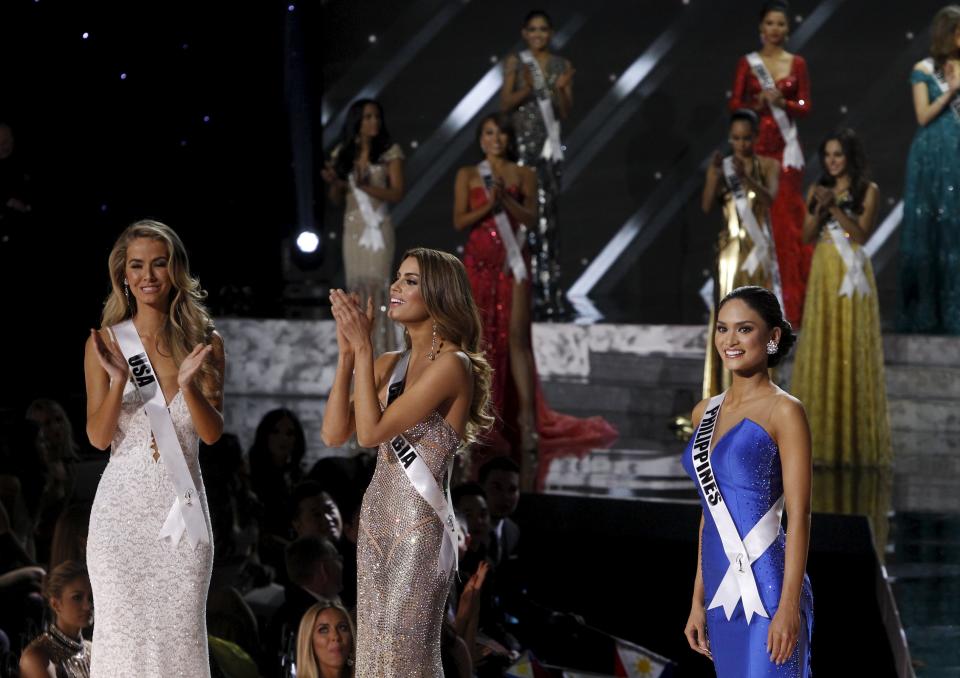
{"x": 446, "y": 294}
{"x": 306, "y": 657}
{"x": 188, "y": 322}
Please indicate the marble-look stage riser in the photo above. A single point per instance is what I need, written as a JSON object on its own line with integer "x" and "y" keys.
{"x": 915, "y": 381}
{"x": 919, "y": 349}
{"x": 576, "y": 397}
{"x": 646, "y": 370}
{"x": 927, "y": 414}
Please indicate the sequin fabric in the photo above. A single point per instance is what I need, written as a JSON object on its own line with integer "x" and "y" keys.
{"x": 369, "y": 272}
{"x": 401, "y": 593}
{"x": 930, "y": 231}
{"x": 788, "y": 209}
{"x": 544, "y": 240}
{"x": 150, "y": 596}
{"x": 70, "y": 657}
{"x": 746, "y": 466}
{"x": 838, "y": 372}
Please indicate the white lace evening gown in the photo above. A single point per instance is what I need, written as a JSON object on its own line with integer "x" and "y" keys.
{"x": 149, "y": 597}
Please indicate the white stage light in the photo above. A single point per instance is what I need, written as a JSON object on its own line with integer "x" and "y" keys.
{"x": 307, "y": 242}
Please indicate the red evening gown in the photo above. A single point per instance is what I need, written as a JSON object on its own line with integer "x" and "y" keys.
{"x": 484, "y": 257}
{"x": 788, "y": 209}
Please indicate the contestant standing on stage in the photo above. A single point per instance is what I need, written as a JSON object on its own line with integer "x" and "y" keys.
{"x": 746, "y": 185}
{"x": 774, "y": 83}
{"x": 538, "y": 92}
{"x": 418, "y": 406}
{"x": 154, "y": 375}
{"x": 930, "y": 232}
{"x": 838, "y": 371}
{"x": 367, "y": 168}
{"x": 752, "y": 608}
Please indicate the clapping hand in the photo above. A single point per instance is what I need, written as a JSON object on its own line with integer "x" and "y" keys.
{"x": 352, "y": 320}
{"x": 110, "y": 358}
{"x": 825, "y": 198}
{"x": 565, "y": 79}
{"x": 192, "y": 363}
{"x": 738, "y": 167}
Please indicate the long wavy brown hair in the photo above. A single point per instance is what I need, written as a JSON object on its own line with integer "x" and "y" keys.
{"x": 188, "y": 322}
{"x": 943, "y": 34}
{"x": 446, "y": 293}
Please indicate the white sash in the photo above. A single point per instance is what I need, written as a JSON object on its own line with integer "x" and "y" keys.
{"x": 423, "y": 481}
{"x": 738, "y": 582}
{"x": 855, "y": 279}
{"x": 792, "y": 155}
{"x": 372, "y": 237}
{"x": 504, "y": 228}
{"x": 942, "y": 84}
{"x": 764, "y": 252}
{"x": 551, "y": 147}
{"x": 186, "y": 514}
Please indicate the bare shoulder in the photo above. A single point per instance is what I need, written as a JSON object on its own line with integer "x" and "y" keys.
{"x": 769, "y": 164}
{"x": 788, "y": 410}
{"x": 510, "y": 61}
{"x": 527, "y": 172}
{"x": 34, "y": 662}
{"x": 923, "y": 66}
{"x": 698, "y": 411}
{"x": 454, "y": 365}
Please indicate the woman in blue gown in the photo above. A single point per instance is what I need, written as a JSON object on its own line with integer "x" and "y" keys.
{"x": 930, "y": 232}
{"x": 752, "y": 608}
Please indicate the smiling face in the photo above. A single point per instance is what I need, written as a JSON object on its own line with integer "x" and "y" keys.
{"x": 74, "y": 607}
{"x": 774, "y": 28}
{"x": 741, "y": 138}
{"x": 493, "y": 140}
{"x": 741, "y": 337}
{"x": 537, "y": 33}
{"x": 332, "y": 640}
{"x": 406, "y": 302}
{"x": 147, "y": 272}
{"x": 834, "y": 159}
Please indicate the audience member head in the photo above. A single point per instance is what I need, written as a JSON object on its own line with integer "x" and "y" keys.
{"x": 70, "y": 535}
{"x": 754, "y": 313}
{"x": 325, "y": 642}
{"x": 500, "y": 479}
{"x": 313, "y": 563}
{"x": 469, "y": 501}
{"x": 55, "y": 428}
{"x": 67, "y": 591}
{"x": 945, "y": 35}
{"x": 314, "y": 513}
{"x": 279, "y": 444}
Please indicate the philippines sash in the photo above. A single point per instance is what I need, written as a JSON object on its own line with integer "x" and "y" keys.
{"x": 551, "y": 147}
{"x": 186, "y": 514}
{"x": 422, "y": 479}
{"x": 738, "y": 582}
{"x": 792, "y": 155}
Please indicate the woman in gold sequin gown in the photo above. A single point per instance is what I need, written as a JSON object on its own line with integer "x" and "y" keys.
{"x": 759, "y": 176}
{"x": 376, "y": 165}
{"x": 437, "y": 404}
{"x": 838, "y": 372}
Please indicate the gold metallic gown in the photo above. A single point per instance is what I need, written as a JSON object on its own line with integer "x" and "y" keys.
{"x": 838, "y": 372}
{"x": 401, "y": 594}
{"x": 733, "y": 247}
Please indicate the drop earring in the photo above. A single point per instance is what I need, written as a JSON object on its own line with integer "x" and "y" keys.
{"x": 126, "y": 291}
{"x": 434, "y": 348}
{"x": 771, "y": 347}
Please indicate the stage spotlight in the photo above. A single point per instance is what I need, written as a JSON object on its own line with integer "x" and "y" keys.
{"x": 308, "y": 241}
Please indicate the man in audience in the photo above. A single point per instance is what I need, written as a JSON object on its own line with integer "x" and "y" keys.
{"x": 500, "y": 480}
{"x": 314, "y": 513}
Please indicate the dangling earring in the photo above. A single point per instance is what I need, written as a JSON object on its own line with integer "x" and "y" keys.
{"x": 434, "y": 349}
{"x": 126, "y": 291}
{"x": 771, "y": 347}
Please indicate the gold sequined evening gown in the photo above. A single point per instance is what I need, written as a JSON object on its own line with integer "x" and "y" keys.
{"x": 401, "y": 592}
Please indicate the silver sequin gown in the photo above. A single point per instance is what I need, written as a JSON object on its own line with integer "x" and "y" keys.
{"x": 543, "y": 240}
{"x": 369, "y": 272}
{"x": 150, "y": 597}
{"x": 400, "y": 592}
